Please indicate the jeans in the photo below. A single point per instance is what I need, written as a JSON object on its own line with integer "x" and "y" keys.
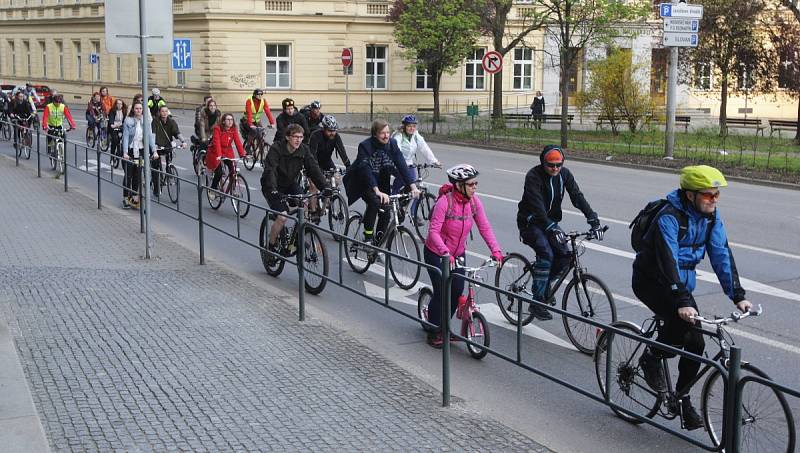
{"x": 456, "y": 289}
{"x": 398, "y": 184}
{"x": 551, "y": 258}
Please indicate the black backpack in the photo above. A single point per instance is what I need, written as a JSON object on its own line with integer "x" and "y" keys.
{"x": 643, "y": 222}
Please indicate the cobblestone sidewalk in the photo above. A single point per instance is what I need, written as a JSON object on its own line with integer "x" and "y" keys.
{"x": 126, "y": 354}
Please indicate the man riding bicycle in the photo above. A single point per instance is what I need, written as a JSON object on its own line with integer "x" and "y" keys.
{"x": 327, "y": 140}
{"x": 20, "y": 110}
{"x": 538, "y": 214}
{"x": 94, "y": 111}
{"x": 288, "y": 116}
{"x": 30, "y": 94}
{"x": 314, "y": 118}
{"x": 53, "y": 117}
{"x": 165, "y": 130}
{"x": 254, "y": 108}
{"x": 664, "y": 275}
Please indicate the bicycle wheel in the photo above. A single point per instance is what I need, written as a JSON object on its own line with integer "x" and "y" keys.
{"x": 214, "y": 197}
{"x": 51, "y": 154}
{"x": 404, "y": 271}
{"x": 103, "y": 139}
{"x": 628, "y": 387}
{"x": 422, "y": 214}
{"x": 337, "y": 216}
{"x": 239, "y": 190}
{"x": 315, "y": 259}
{"x": 197, "y": 162}
{"x": 423, "y": 300}
{"x": 90, "y": 137}
{"x": 357, "y": 255}
{"x": 513, "y": 275}
{"x": 173, "y": 183}
{"x": 61, "y": 158}
{"x": 27, "y": 143}
{"x": 274, "y": 267}
{"x": 767, "y": 423}
{"x": 5, "y": 130}
{"x": 477, "y": 331}
{"x": 249, "y": 161}
{"x": 589, "y": 299}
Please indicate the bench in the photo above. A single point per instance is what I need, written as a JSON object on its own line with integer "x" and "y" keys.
{"x": 554, "y": 118}
{"x": 744, "y": 123}
{"x": 782, "y": 125}
{"x": 680, "y": 120}
{"x": 527, "y": 119}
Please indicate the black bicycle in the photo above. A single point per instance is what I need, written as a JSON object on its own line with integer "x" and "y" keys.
{"x": 168, "y": 178}
{"x": 421, "y": 208}
{"x": 335, "y": 206}
{"x": 767, "y": 423}
{"x": 23, "y": 140}
{"x": 257, "y": 151}
{"x": 585, "y": 295}
{"x": 5, "y": 125}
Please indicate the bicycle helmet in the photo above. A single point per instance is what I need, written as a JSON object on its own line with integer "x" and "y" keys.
{"x": 409, "y": 119}
{"x": 58, "y": 98}
{"x": 258, "y": 92}
{"x": 699, "y": 177}
{"x": 314, "y": 105}
{"x": 329, "y": 123}
{"x": 461, "y": 173}
{"x": 156, "y": 92}
{"x": 288, "y": 102}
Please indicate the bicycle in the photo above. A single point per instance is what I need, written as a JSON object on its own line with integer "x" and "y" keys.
{"x": 199, "y": 150}
{"x": 257, "y": 151}
{"x": 584, "y": 295}
{"x": 56, "y": 148}
{"x": 422, "y": 207}
{"x": 116, "y": 138}
{"x": 397, "y": 239}
{"x": 233, "y": 185}
{"x": 315, "y": 253}
{"x": 473, "y": 324}
{"x": 169, "y": 176}
{"x": 24, "y": 136}
{"x": 103, "y": 139}
{"x": 5, "y": 125}
{"x": 335, "y": 206}
{"x": 92, "y": 134}
{"x": 761, "y": 408}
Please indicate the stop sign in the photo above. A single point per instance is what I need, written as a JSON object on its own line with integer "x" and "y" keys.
{"x": 347, "y": 57}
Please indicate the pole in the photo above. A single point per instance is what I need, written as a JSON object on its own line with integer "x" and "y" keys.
{"x": 672, "y": 87}
{"x": 301, "y": 274}
{"x": 445, "y": 328}
{"x": 146, "y": 126}
{"x": 732, "y": 433}
{"x": 183, "y": 92}
{"x": 347, "y": 89}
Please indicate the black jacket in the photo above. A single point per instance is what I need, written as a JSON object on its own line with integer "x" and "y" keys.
{"x": 283, "y": 168}
{"x": 537, "y": 107}
{"x": 283, "y": 121}
{"x": 21, "y": 109}
{"x": 322, "y": 149}
{"x": 166, "y": 132}
{"x": 362, "y": 177}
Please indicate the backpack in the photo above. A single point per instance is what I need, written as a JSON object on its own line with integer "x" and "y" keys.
{"x": 449, "y": 213}
{"x": 644, "y": 220}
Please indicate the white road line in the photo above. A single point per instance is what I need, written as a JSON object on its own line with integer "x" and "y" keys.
{"x": 512, "y": 171}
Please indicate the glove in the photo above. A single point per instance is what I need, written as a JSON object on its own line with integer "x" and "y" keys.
{"x": 558, "y": 234}
{"x": 498, "y": 256}
{"x": 594, "y": 223}
{"x": 597, "y": 233}
{"x": 274, "y": 194}
{"x": 327, "y": 192}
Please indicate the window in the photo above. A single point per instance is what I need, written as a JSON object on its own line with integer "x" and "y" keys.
{"x": 423, "y": 80}
{"x": 278, "y": 70}
{"x": 744, "y": 79}
{"x": 523, "y": 69}
{"x": 376, "y": 67}
{"x": 13, "y": 57}
{"x": 702, "y": 76}
{"x": 475, "y": 75}
{"x": 181, "y": 78}
{"x": 139, "y": 69}
{"x": 27, "y": 46}
{"x": 787, "y": 69}
{"x": 119, "y": 69}
{"x": 572, "y": 74}
{"x": 43, "y": 49}
{"x": 78, "y": 59}
{"x": 60, "y": 52}
{"x": 96, "y": 50}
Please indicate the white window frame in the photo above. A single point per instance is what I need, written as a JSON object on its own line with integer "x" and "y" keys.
{"x": 374, "y": 79}
{"x": 28, "y": 63}
{"x": 277, "y": 59}
{"x": 698, "y": 83}
{"x": 96, "y": 49}
{"x": 474, "y": 62}
{"x": 43, "y": 47}
{"x": 427, "y": 80}
{"x": 13, "y": 47}
{"x": 139, "y": 69}
{"x": 521, "y": 64}
{"x": 76, "y": 45}
{"x": 60, "y": 51}
{"x": 180, "y": 78}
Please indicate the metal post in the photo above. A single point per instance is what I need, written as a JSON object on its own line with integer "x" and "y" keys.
{"x": 38, "y": 150}
{"x": 347, "y": 88}
{"x": 519, "y": 331}
{"x": 99, "y": 197}
{"x": 200, "y": 220}
{"x": 139, "y": 194}
{"x": 183, "y": 92}
{"x": 64, "y": 163}
{"x": 146, "y": 128}
{"x": 672, "y": 88}
{"x": 301, "y": 275}
{"x": 732, "y": 432}
{"x": 445, "y": 328}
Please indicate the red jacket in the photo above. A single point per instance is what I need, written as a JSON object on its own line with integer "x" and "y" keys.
{"x": 250, "y": 110}
{"x": 222, "y": 146}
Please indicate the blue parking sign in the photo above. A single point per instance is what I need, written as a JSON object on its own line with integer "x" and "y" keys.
{"x": 181, "y": 54}
{"x": 93, "y": 58}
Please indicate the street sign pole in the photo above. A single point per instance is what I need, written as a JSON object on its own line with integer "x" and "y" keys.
{"x": 672, "y": 86}
{"x": 346, "y": 90}
{"x": 183, "y": 91}
{"x": 146, "y": 126}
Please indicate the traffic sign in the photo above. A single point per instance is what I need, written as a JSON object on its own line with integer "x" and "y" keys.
{"x": 683, "y": 10}
{"x": 492, "y": 62}
{"x": 347, "y": 57}
{"x": 94, "y": 58}
{"x": 122, "y": 26}
{"x": 680, "y": 39}
{"x": 181, "y": 54}
{"x": 681, "y": 25}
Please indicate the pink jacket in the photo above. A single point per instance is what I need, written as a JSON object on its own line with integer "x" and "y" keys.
{"x": 450, "y": 235}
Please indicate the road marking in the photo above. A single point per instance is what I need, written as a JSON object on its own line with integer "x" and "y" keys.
{"x": 512, "y": 171}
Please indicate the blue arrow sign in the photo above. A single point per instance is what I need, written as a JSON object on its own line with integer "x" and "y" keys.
{"x": 181, "y": 54}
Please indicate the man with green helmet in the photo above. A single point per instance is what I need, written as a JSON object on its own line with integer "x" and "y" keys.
{"x": 664, "y": 277}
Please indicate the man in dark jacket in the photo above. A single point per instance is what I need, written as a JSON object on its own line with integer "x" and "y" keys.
{"x": 288, "y": 116}
{"x": 539, "y": 212}
{"x": 369, "y": 176}
{"x": 165, "y": 130}
{"x": 325, "y": 141}
{"x": 314, "y": 117}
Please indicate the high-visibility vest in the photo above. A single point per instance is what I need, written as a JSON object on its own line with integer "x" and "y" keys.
{"x": 55, "y": 115}
{"x": 258, "y": 110}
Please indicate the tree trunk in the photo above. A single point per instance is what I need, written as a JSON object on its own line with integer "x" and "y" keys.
{"x": 797, "y": 134}
{"x": 564, "y": 101}
{"x": 435, "y": 79}
{"x": 497, "y": 95}
{"x": 723, "y": 106}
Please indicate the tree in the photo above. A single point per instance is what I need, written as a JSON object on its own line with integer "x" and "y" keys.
{"x": 574, "y": 24}
{"x": 729, "y": 40}
{"x": 784, "y": 35}
{"x": 793, "y": 6}
{"x": 436, "y": 35}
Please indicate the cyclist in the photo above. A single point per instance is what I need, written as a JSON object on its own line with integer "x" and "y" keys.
{"x": 411, "y": 142}
{"x": 94, "y": 110}
{"x": 106, "y": 99}
{"x": 289, "y": 116}
{"x": 5, "y": 103}
{"x": 20, "y": 109}
{"x": 116, "y": 119}
{"x": 155, "y": 102}
{"x": 327, "y": 140}
{"x": 53, "y": 117}
{"x": 664, "y": 275}
{"x": 137, "y": 98}
{"x": 166, "y": 130}
{"x": 314, "y": 118}
{"x": 30, "y": 94}
{"x": 450, "y": 224}
{"x": 378, "y": 158}
{"x": 284, "y": 161}
{"x": 538, "y": 214}
{"x": 132, "y": 147}
{"x": 225, "y": 137}
{"x": 254, "y": 108}
{"x": 206, "y": 118}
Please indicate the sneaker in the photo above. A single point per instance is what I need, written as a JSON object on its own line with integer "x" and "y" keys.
{"x": 653, "y": 371}
{"x": 273, "y": 258}
{"x": 540, "y": 312}
{"x": 126, "y": 204}
{"x": 435, "y": 340}
{"x": 135, "y": 204}
{"x": 691, "y": 419}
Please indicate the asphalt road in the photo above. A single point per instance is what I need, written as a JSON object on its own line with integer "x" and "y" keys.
{"x": 762, "y": 224}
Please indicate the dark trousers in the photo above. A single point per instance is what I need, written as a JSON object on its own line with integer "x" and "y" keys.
{"x": 218, "y": 172}
{"x": 551, "y": 258}
{"x": 373, "y": 203}
{"x": 674, "y": 331}
{"x": 132, "y": 178}
{"x": 456, "y": 289}
{"x": 157, "y": 170}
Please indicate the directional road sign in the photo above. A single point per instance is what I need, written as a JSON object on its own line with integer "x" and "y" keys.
{"x": 680, "y": 39}
{"x": 122, "y": 26}
{"x": 181, "y": 54}
{"x": 347, "y": 57}
{"x": 492, "y": 62}
{"x": 94, "y": 58}
{"x": 683, "y": 10}
{"x": 681, "y": 25}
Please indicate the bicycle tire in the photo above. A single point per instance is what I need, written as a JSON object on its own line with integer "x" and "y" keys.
{"x": 90, "y": 137}
{"x": 51, "y": 154}
{"x": 626, "y": 375}
{"x": 315, "y": 253}
{"x": 513, "y": 275}
{"x": 197, "y": 162}
{"x": 422, "y": 214}
{"x": 172, "y": 182}
{"x": 357, "y": 255}
{"x": 404, "y": 243}
{"x": 600, "y": 308}
{"x": 479, "y": 329}
{"x": 61, "y": 160}
{"x": 103, "y": 140}
{"x": 712, "y": 400}
{"x": 249, "y": 161}
{"x": 273, "y": 268}
{"x": 423, "y": 301}
{"x": 5, "y": 129}
{"x": 217, "y": 199}
{"x": 337, "y": 216}
{"x": 240, "y": 191}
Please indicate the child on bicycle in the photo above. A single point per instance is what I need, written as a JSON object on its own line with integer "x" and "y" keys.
{"x": 451, "y": 221}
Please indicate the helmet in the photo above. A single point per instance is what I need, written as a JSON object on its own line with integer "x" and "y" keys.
{"x": 287, "y": 103}
{"x": 329, "y": 122}
{"x": 409, "y": 119}
{"x": 258, "y": 92}
{"x": 156, "y": 92}
{"x": 698, "y": 177}
{"x": 58, "y": 98}
{"x": 315, "y": 105}
{"x": 461, "y": 173}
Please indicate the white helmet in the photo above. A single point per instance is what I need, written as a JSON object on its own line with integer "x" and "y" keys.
{"x": 461, "y": 173}
{"x": 156, "y": 92}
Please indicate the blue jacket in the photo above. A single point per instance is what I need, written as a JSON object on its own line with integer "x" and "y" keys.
{"x": 129, "y": 131}
{"x": 362, "y": 177}
{"x": 672, "y": 261}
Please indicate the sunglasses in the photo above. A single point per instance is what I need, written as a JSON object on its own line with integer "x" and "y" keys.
{"x": 471, "y": 184}
{"x": 709, "y": 196}
{"x": 555, "y": 165}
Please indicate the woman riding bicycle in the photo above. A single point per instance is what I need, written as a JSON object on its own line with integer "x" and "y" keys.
{"x": 225, "y": 136}
{"x": 411, "y": 143}
{"x": 94, "y": 110}
{"x": 116, "y": 118}
{"x": 451, "y": 221}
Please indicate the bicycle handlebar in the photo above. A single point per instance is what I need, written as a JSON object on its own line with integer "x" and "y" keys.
{"x": 734, "y": 317}
{"x": 489, "y": 262}
{"x": 418, "y": 166}
{"x": 587, "y": 234}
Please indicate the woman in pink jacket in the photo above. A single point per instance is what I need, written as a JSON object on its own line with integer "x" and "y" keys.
{"x": 450, "y": 223}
